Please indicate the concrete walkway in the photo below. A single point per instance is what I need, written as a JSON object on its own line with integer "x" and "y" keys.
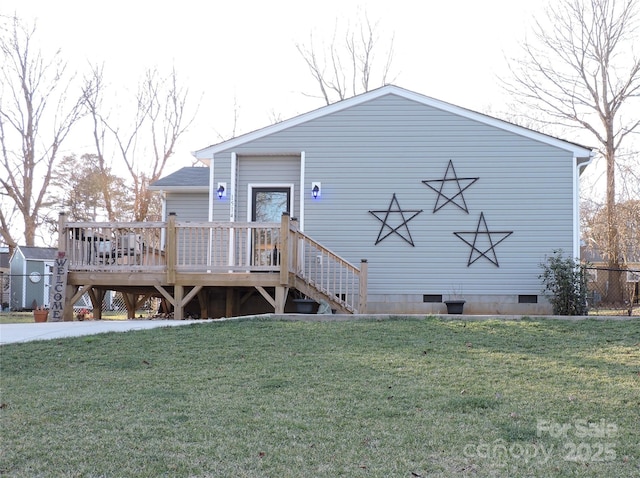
{"x": 15, "y": 333}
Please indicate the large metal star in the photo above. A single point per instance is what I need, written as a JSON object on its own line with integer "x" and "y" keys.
{"x": 450, "y": 189}
{"x": 483, "y": 243}
{"x": 394, "y": 208}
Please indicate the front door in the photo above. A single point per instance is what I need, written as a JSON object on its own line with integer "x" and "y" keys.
{"x": 267, "y": 205}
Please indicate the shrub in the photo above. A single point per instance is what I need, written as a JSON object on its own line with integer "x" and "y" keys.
{"x": 565, "y": 284}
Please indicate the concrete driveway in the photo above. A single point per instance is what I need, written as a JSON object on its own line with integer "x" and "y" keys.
{"x": 14, "y": 333}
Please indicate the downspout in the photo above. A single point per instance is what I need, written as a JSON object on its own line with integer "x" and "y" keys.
{"x": 577, "y": 171}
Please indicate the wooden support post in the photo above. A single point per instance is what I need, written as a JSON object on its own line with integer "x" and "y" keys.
{"x": 203, "y": 301}
{"x": 70, "y": 291}
{"x": 285, "y": 235}
{"x": 281, "y": 298}
{"x": 171, "y": 252}
{"x": 230, "y": 302}
{"x": 130, "y": 303}
{"x": 362, "y": 300}
{"x": 178, "y": 306}
{"x": 97, "y": 298}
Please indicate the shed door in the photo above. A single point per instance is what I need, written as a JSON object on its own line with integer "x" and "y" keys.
{"x": 267, "y": 205}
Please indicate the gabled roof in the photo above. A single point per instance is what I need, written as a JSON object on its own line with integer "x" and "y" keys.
{"x": 185, "y": 179}
{"x": 578, "y": 151}
{"x": 37, "y": 253}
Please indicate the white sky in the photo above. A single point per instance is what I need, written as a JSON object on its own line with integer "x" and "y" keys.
{"x": 244, "y": 51}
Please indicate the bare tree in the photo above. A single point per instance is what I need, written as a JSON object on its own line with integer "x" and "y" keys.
{"x": 37, "y": 113}
{"x": 93, "y": 92}
{"x": 160, "y": 118}
{"x": 593, "y": 217}
{"x": 581, "y": 69}
{"x": 349, "y": 65}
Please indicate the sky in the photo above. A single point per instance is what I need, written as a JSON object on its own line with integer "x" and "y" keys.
{"x": 240, "y": 57}
{"x": 242, "y": 54}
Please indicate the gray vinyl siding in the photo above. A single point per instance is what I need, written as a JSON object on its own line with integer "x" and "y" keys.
{"x": 188, "y": 206}
{"x": 257, "y": 171}
{"x": 192, "y": 207}
{"x": 364, "y": 154}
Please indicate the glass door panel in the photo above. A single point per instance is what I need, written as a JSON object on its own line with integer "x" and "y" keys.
{"x": 268, "y": 204}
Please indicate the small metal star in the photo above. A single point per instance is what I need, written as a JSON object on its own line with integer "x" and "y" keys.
{"x": 460, "y": 185}
{"x": 394, "y": 208}
{"x": 482, "y": 239}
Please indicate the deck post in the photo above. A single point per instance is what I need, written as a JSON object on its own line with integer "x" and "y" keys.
{"x": 62, "y": 233}
{"x": 171, "y": 248}
{"x": 230, "y": 302}
{"x": 284, "y": 249}
{"x": 362, "y": 299}
{"x": 281, "y": 298}
{"x": 294, "y": 249}
{"x": 203, "y": 301}
{"x": 178, "y": 306}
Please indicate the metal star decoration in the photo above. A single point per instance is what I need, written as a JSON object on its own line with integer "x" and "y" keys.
{"x": 450, "y": 189}
{"x": 399, "y": 215}
{"x": 483, "y": 244}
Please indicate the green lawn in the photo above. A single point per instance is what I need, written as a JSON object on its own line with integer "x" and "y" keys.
{"x": 389, "y": 398}
{"x": 27, "y": 317}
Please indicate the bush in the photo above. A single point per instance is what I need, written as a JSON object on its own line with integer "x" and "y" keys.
{"x": 565, "y": 284}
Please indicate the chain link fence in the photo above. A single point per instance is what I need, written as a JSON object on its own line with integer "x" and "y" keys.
{"x": 613, "y": 291}
{"x": 114, "y": 307}
{"x": 113, "y": 304}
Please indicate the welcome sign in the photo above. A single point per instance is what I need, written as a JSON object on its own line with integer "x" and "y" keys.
{"x": 59, "y": 288}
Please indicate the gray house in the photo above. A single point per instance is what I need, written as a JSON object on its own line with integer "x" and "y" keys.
{"x": 31, "y": 269}
{"x": 443, "y": 202}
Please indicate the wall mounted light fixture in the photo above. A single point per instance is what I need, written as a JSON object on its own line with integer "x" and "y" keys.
{"x": 316, "y": 190}
{"x": 222, "y": 190}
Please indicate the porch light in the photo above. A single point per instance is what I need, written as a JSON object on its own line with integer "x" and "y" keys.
{"x": 316, "y": 189}
{"x": 222, "y": 190}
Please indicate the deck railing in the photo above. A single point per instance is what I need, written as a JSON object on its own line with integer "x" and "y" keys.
{"x": 227, "y": 247}
{"x": 324, "y": 271}
{"x": 184, "y": 247}
{"x": 114, "y": 246}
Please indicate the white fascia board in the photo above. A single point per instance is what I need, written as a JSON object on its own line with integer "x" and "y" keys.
{"x": 578, "y": 151}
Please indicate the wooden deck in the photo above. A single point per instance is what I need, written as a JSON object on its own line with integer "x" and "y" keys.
{"x": 179, "y": 261}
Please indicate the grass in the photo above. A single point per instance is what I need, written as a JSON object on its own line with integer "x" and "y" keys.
{"x": 376, "y": 398}
{"x": 16, "y": 317}
{"x": 27, "y": 317}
